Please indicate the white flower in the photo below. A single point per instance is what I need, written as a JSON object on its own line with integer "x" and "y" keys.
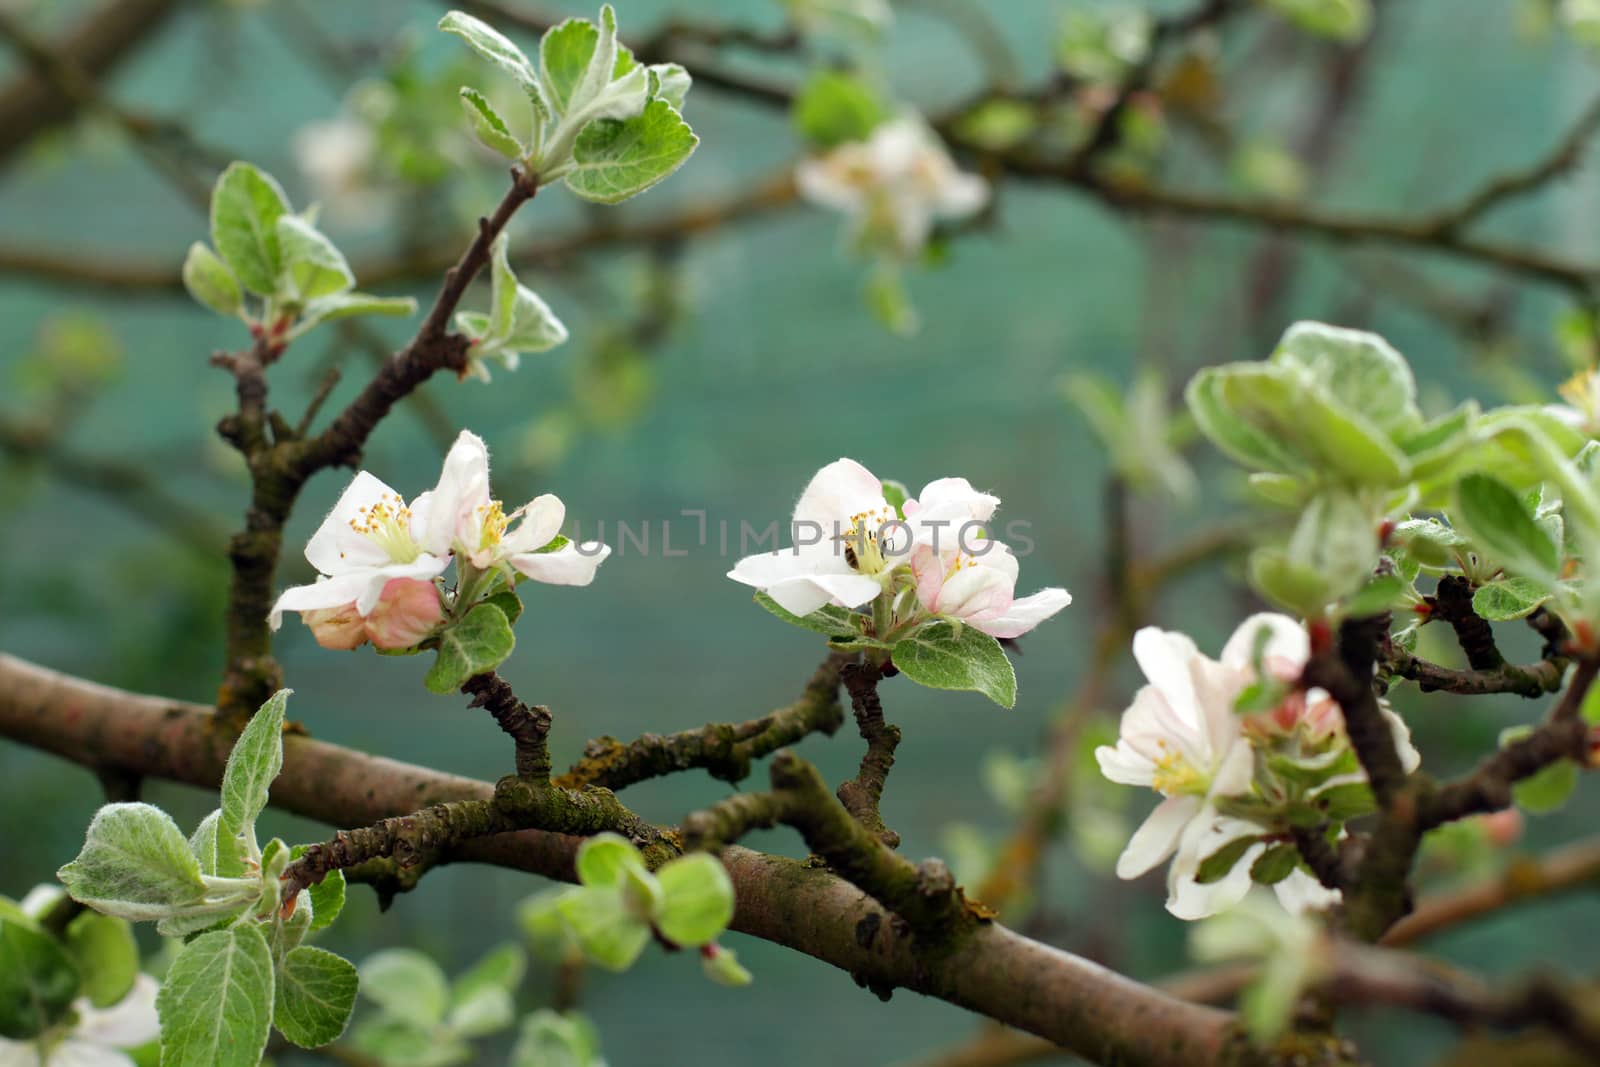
{"x": 976, "y": 584}
{"x": 847, "y": 540}
{"x": 893, "y": 185}
{"x": 97, "y": 1036}
{"x": 1183, "y": 738}
{"x": 459, "y": 515}
{"x": 369, "y": 538}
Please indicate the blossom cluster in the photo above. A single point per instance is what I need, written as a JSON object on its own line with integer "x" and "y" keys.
{"x": 922, "y": 558}
{"x": 380, "y": 560}
{"x": 1233, "y": 782}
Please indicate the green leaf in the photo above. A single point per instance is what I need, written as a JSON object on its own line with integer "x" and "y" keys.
{"x": 312, "y": 266}
{"x": 489, "y": 127}
{"x": 316, "y": 992}
{"x": 1343, "y": 20}
{"x": 565, "y": 52}
{"x": 477, "y": 644}
{"x": 1376, "y": 597}
{"x": 203, "y": 843}
{"x": 722, "y": 966}
{"x": 246, "y": 205}
{"x": 1337, "y": 539}
{"x": 216, "y": 1001}
{"x": 551, "y": 1040}
{"x": 1496, "y": 520}
{"x": 670, "y": 82}
{"x": 1548, "y": 789}
{"x": 344, "y": 305}
{"x": 406, "y": 985}
{"x": 1274, "y": 865}
{"x": 944, "y": 656}
{"x": 37, "y": 981}
{"x": 327, "y": 900}
{"x": 210, "y": 282}
{"x": 696, "y": 900}
{"x": 833, "y": 108}
{"x": 604, "y": 925}
{"x": 481, "y": 999}
{"x": 134, "y": 864}
{"x": 615, "y": 159}
{"x": 105, "y": 953}
{"x": 1236, "y": 437}
{"x": 1288, "y": 583}
{"x": 507, "y": 601}
{"x": 1509, "y": 598}
{"x": 255, "y": 761}
{"x": 1215, "y": 867}
{"x": 492, "y": 45}
{"x": 829, "y": 619}
{"x": 608, "y": 860}
{"x": 1358, "y": 370}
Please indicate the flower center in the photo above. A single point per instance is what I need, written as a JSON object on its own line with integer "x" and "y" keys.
{"x": 493, "y": 520}
{"x": 869, "y": 543}
{"x": 1176, "y": 776}
{"x": 388, "y": 524}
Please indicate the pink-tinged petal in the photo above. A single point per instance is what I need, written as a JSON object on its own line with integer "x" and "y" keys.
{"x": 1026, "y": 612}
{"x": 336, "y": 547}
{"x": 454, "y": 508}
{"x": 1300, "y": 893}
{"x": 1157, "y": 836}
{"x": 324, "y": 594}
{"x": 955, "y": 500}
{"x": 1216, "y": 689}
{"x": 1164, "y": 658}
{"x": 1286, "y": 642}
{"x": 340, "y": 629}
{"x": 424, "y": 568}
{"x": 1187, "y": 898}
{"x": 1125, "y": 765}
{"x": 128, "y": 1023}
{"x": 928, "y": 568}
{"x": 1151, "y": 727}
{"x": 406, "y": 612}
{"x": 976, "y": 593}
{"x": 540, "y": 521}
{"x": 837, "y": 492}
{"x": 571, "y": 564}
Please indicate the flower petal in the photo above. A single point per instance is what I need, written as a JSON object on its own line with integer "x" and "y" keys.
{"x": 1300, "y": 893}
{"x": 1286, "y": 641}
{"x": 451, "y": 510}
{"x": 1124, "y": 764}
{"x": 336, "y": 547}
{"x": 1164, "y": 658}
{"x": 571, "y": 564}
{"x": 323, "y": 594}
{"x": 18, "y": 1054}
{"x": 1026, "y": 612}
{"x": 541, "y": 520}
{"x": 1187, "y": 898}
{"x": 837, "y": 492}
{"x": 74, "y": 1053}
{"x": 1157, "y": 836}
{"x": 129, "y": 1022}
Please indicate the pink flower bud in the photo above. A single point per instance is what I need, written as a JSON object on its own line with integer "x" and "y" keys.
{"x": 407, "y": 612}
{"x": 338, "y": 628}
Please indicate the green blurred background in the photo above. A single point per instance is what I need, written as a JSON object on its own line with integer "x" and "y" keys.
{"x": 769, "y": 367}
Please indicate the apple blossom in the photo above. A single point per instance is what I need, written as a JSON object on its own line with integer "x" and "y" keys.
{"x": 977, "y": 586}
{"x": 893, "y": 185}
{"x": 97, "y": 1036}
{"x": 1184, "y": 738}
{"x": 460, "y": 516}
{"x": 337, "y": 156}
{"x": 369, "y": 538}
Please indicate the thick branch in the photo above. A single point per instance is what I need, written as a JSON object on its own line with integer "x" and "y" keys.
{"x": 861, "y": 794}
{"x": 992, "y": 971}
{"x": 724, "y": 750}
{"x": 528, "y": 728}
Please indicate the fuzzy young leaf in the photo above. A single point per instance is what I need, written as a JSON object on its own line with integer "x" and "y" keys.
{"x": 615, "y": 159}
{"x": 489, "y": 127}
{"x": 216, "y": 1001}
{"x": 722, "y": 966}
{"x": 941, "y": 656}
{"x": 604, "y": 925}
{"x": 551, "y": 1040}
{"x": 343, "y": 305}
{"x": 246, "y": 205}
{"x": 829, "y": 619}
{"x": 406, "y": 985}
{"x": 1236, "y": 436}
{"x": 312, "y": 266}
{"x": 106, "y": 955}
{"x": 1498, "y": 523}
{"x": 255, "y": 761}
{"x": 477, "y": 644}
{"x": 210, "y": 282}
{"x": 1357, "y": 369}
{"x": 481, "y": 1000}
{"x": 696, "y": 900}
{"x": 135, "y": 864}
{"x": 565, "y": 52}
{"x": 492, "y": 45}
{"x": 609, "y": 860}
{"x": 37, "y": 981}
{"x": 1343, "y": 20}
{"x": 1509, "y": 598}
{"x": 316, "y": 992}
{"x": 833, "y": 108}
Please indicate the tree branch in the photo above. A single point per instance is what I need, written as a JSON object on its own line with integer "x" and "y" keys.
{"x": 861, "y": 794}
{"x": 991, "y": 970}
